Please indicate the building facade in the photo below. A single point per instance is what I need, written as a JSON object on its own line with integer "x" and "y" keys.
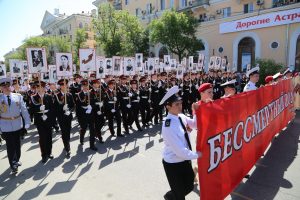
{"x": 241, "y": 30}
{"x": 60, "y": 25}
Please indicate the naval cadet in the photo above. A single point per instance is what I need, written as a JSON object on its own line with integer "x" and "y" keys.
{"x": 253, "y": 75}
{"x": 12, "y": 113}
{"x": 177, "y": 153}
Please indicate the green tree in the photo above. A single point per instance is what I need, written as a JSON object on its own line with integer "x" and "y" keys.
{"x": 177, "y": 31}
{"x": 267, "y": 67}
{"x": 119, "y": 33}
{"x": 79, "y": 42}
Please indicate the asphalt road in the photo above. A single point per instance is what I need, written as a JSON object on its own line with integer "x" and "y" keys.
{"x": 130, "y": 168}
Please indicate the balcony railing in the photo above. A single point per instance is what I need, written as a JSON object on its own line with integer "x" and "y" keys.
{"x": 279, "y": 3}
{"x": 194, "y": 4}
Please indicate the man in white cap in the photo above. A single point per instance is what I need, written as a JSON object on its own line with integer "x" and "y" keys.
{"x": 253, "y": 75}
{"x": 177, "y": 153}
{"x": 12, "y": 111}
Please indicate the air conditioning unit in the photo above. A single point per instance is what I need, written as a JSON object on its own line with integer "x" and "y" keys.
{"x": 219, "y": 11}
{"x": 260, "y": 2}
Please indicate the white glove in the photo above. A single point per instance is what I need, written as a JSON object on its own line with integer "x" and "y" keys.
{"x": 99, "y": 112}
{"x": 27, "y": 126}
{"x": 168, "y": 89}
{"x": 181, "y": 85}
{"x": 128, "y": 106}
{"x": 138, "y": 98}
{"x": 42, "y": 108}
{"x": 89, "y": 107}
{"x": 67, "y": 113}
{"x": 150, "y": 89}
{"x": 130, "y": 94}
{"x": 44, "y": 117}
{"x": 191, "y": 85}
{"x": 113, "y": 110}
{"x": 115, "y": 99}
{"x": 197, "y": 86}
{"x": 100, "y": 104}
{"x": 65, "y": 107}
{"x": 88, "y": 111}
{"x": 138, "y": 92}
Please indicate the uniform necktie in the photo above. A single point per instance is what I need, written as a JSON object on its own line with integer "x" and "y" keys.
{"x": 186, "y": 134}
{"x": 8, "y": 100}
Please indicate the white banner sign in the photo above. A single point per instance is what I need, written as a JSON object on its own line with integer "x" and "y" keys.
{"x": 262, "y": 21}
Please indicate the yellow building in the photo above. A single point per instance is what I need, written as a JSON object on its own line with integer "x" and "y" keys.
{"x": 241, "y": 30}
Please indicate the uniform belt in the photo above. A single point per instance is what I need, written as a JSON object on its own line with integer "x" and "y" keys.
{"x": 156, "y": 91}
{"x": 111, "y": 102}
{"x": 125, "y": 97}
{"x": 10, "y": 118}
{"x": 136, "y": 101}
{"x": 145, "y": 97}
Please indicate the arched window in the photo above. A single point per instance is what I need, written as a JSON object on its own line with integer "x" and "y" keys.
{"x": 246, "y": 53}
{"x": 163, "y": 51}
{"x": 80, "y": 25}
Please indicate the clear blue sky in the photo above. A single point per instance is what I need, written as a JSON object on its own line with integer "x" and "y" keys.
{"x": 20, "y": 19}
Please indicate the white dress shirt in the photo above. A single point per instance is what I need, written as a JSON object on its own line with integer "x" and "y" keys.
{"x": 176, "y": 148}
{"x": 250, "y": 86}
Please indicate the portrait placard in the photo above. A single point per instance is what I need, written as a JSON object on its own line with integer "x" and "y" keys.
{"x": 129, "y": 68}
{"x": 37, "y": 60}
{"x": 2, "y": 71}
{"x": 87, "y": 60}
{"x": 64, "y": 64}
{"x": 15, "y": 67}
{"x": 100, "y": 67}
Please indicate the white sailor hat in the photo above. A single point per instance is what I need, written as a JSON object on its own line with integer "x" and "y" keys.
{"x": 277, "y": 75}
{"x": 229, "y": 83}
{"x": 288, "y": 70}
{"x": 5, "y": 81}
{"x": 252, "y": 71}
{"x": 171, "y": 96}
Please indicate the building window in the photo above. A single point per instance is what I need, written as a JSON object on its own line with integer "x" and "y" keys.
{"x": 80, "y": 25}
{"x": 149, "y": 8}
{"x": 171, "y": 3}
{"x": 70, "y": 27}
{"x": 246, "y": 53}
{"x": 137, "y": 12}
{"x": 227, "y": 12}
{"x": 274, "y": 45}
{"x": 163, "y": 51}
{"x": 248, "y": 8}
{"x": 162, "y": 4}
{"x": 183, "y": 3}
{"x": 126, "y": 2}
{"x": 86, "y": 26}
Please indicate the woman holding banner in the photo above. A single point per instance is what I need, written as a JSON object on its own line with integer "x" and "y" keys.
{"x": 177, "y": 153}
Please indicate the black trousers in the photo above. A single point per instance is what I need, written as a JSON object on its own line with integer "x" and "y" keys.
{"x": 126, "y": 117}
{"x": 45, "y": 138}
{"x": 145, "y": 112}
{"x": 181, "y": 179}
{"x": 99, "y": 123}
{"x": 110, "y": 117}
{"x": 13, "y": 146}
{"x": 87, "y": 121}
{"x": 65, "y": 122}
{"x": 135, "y": 115}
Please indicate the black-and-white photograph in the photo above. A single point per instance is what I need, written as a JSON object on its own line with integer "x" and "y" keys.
{"x": 15, "y": 68}
{"x": 100, "y": 67}
{"x": 183, "y": 62}
{"x": 212, "y": 61}
{"x": 52, "y": 74}
{"x": 139, "y": 60}
{"x": 167, "y": 60}
{"x": 218, "y": 63}
{"x": 179, "y": 74}
{"x": 64, "y": 64}
{"x": 45, "y": 76}
{"x": 129, "y": 66}
{"x": 191, "y": 62}
{"x": 87, "y": 60}
{"x": 116, "y": 65}
{"x": 224, "y": 64}
{"x": 37, "y": 60}
{"x": 151, "y": 64}
{"x": 108, "y": 64}
{"x": 173, "y": 64}
{"x": 2, "y": 71}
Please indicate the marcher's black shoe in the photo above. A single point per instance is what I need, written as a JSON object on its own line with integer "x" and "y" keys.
{"x": 14, "y": 169}
{"x": 44, "y": 160}
{"x": 93, "y": 148}
{"x": 51, "y": 156}
{"x": 68, "y": 154}
{"x": 17, "y": 163}
{"x": 120, "y": 135}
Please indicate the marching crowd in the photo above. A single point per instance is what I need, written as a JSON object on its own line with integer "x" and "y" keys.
{"x": 119, "y": 101}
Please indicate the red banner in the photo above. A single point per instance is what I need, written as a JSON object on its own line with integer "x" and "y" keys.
{"x": 233, "y": 133}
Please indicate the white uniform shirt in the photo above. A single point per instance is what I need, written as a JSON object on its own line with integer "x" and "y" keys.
{"x": 176, "y": 148}
{"x": 249, "y": 87}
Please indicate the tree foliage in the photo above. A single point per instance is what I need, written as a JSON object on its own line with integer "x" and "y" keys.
{"x": 177, "y": 31}
{"x": 267, "y": 67}
{"x": 79, "y": 42}
{"x": 119, "y": 33}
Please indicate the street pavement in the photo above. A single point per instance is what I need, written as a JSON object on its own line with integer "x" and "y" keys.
{"x": 131, "y": 168}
